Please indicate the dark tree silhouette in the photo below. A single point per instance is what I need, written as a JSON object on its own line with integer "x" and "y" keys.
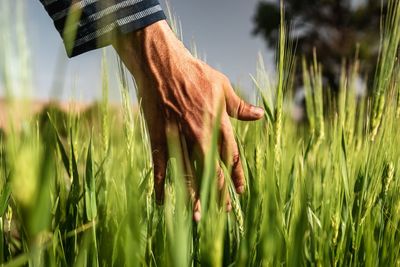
{"x": 335, "y": 28}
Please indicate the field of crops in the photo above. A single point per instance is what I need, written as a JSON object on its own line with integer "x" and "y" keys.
{"x": 76, "y": 190}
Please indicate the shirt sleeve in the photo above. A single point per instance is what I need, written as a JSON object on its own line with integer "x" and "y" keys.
{"x": 86, "y": 25}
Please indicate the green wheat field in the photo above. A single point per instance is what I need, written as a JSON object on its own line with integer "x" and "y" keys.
{"x": 76, "y": 189}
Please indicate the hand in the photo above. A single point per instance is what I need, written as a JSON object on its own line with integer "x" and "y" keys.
{"x": 178, "y": 89}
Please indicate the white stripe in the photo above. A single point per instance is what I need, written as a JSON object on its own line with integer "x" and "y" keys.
{"x": 139, "y": 15}
{"x": 120, "y": 22}
{"x": 79, "y": 5}
{"x": 109, "y": 10}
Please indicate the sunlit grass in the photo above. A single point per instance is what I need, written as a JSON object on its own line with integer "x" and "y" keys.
{"x": 78, "y": 191}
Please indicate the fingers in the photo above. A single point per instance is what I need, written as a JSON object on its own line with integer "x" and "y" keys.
{"x": 224, "y": 196}
{"x": 230, "y": 155}
{"x": 237, "y": 108}
{"x": 223, "y": 199}
{"x": 237, "y": 173}
{"x": 197, "y": 210}
{"x": 220, "y": 177}
{"x": 160, "y": 165}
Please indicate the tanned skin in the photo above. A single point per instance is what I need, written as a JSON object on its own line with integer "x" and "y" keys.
{"x": 180, "y": 92}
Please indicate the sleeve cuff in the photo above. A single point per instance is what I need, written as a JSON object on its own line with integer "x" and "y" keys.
{"x": 100, "y": 20}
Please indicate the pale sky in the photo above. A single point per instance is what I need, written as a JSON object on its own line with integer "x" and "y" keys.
{"x": 221, "y": 30}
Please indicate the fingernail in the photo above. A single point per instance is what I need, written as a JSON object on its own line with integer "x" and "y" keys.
{"x": 257, "y": 111}
{"x": 228, "y": 207}
{"x": 197, "y": 216}
{"x": 240, "y": 189}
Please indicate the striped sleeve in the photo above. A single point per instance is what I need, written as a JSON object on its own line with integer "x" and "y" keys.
{"x": 86, "y": 25}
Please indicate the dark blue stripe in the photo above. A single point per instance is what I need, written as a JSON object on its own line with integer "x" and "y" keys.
{"x": 57, "y": 6}
{"x": 125, "y": 29}
{"x": 108, "y": 19}
{"x": 92, "y": 26}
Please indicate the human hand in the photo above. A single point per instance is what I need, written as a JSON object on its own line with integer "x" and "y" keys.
{"x": 178, "y": 89}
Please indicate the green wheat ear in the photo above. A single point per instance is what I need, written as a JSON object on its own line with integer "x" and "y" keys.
{"x": 105, "y": 122}
{"x": 312, "y": 78}
{"x": 396, "y": 88}
{"x": 390, "y": 41}
{"x": 71, "y": 28}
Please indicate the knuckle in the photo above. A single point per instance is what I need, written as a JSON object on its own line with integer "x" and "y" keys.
{"x": 225, "y": 122}
{"x": 236, "y": 160}
{"x": 220, "y": 173}
{"x": 224, "y": 79}
{"x": 240, "y": 107}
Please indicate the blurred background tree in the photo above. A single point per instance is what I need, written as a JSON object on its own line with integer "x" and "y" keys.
{"x": 335, "y": 28}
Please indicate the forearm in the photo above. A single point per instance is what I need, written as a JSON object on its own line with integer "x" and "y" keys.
{"x": 149, "y": 48}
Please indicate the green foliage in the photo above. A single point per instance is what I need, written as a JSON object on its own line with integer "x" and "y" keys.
{"x": 337, "y": 29}
{"x": 325, "y": 195}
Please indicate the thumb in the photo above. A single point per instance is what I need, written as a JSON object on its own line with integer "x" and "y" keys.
{"x": 238, "y": 108}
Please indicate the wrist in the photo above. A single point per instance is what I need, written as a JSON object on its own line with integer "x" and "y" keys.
{"x": 149, "y": 47}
